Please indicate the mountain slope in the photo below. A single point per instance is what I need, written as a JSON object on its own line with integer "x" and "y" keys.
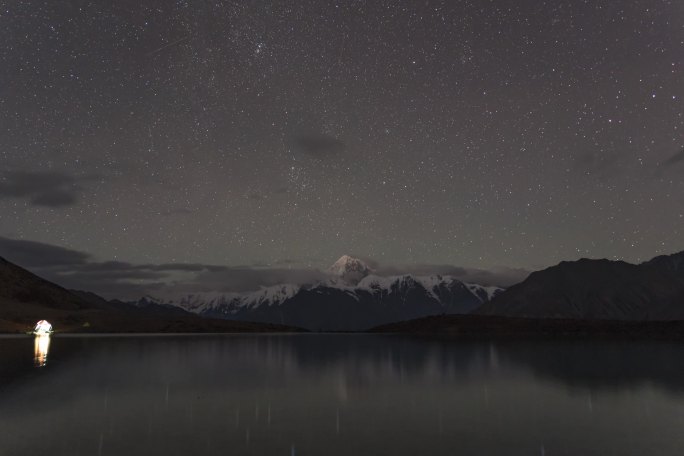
{"x": 598, "y": 289}
{"x": 18, "y": 285}
{"x": 26, "y": 298}
{"x": 672, "y": 263}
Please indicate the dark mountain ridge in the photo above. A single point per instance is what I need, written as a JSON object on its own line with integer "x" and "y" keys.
{"x": 597, "y": 289}
{"x": 574, "y": 292}
{"x": 19, "y": 285}
{"x": 26, "y": 298}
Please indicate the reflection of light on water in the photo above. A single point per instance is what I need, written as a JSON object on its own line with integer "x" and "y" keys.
{"x": 41, "y": 346}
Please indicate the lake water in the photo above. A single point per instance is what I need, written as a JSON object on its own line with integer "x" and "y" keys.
{"x": 338, "y": 395}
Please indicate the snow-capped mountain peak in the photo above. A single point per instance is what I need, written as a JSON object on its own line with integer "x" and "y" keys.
{"x": 351, "y": 298}
{"x": 338, "y": 304}
{"x": 349, "y": 269}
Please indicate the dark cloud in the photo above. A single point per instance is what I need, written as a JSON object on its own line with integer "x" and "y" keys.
{"x": 498, "y": 276}
{"x": 285, "y": 261}
{"x": 422, "y": 270}
{"x": 125, "y": 290}
{"x": 42, "y": 188}
{"x": 240, "y": 279}
{"x": 185, "y": 267}
{"x": 86, "y": 275}
{"x": 675, "y": 159}
{"x": 123, "y": 280}
{"x": 55, "y": 199}
{"x": 38, "y": 254}
{"x": 416, "y": 269}
{"x": 129, "y": 281}
{"x": 119, "y": 279}
{"x": 119, "y": 266}
{"x": 318, "y": 145}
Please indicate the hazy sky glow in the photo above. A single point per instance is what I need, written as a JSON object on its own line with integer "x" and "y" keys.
{"x": 284, "y": 134}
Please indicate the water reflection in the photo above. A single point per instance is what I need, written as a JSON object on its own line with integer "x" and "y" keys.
{"x": 41, "y": 346}
{"x": 339, "y": 395}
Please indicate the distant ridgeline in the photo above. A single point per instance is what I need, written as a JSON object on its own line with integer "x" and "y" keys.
{"x": 598, "y": 289}
{"x": 355, "y": 299}
{"x": 352, "y": 299}
{"x": 26, "y": 298}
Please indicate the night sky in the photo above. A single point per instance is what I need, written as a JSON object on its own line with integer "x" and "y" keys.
{"x": 277, "y": 136}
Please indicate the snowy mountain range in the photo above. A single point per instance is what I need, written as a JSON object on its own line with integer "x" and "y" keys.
{"x": 353, "y": 298}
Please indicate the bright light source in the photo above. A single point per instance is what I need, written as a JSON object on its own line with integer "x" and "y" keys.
{"x": 43, "y": 327}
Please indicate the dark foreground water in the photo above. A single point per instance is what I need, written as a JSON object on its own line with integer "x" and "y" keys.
{"x": 338, "y": 395}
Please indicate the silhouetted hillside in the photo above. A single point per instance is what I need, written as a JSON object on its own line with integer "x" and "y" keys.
{"x": 598, "y": 289}
{"x": 26, "y": 298}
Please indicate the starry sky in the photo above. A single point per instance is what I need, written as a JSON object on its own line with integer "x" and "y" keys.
{"x": 281, "y": 135}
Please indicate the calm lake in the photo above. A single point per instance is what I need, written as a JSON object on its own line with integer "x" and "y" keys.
{"x": 338, "y": 395}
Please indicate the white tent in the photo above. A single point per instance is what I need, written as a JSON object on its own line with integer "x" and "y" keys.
{"x": 42, "y": 327}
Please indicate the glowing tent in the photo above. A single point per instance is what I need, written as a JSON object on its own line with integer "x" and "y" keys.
{"x": 43, "y": 327}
